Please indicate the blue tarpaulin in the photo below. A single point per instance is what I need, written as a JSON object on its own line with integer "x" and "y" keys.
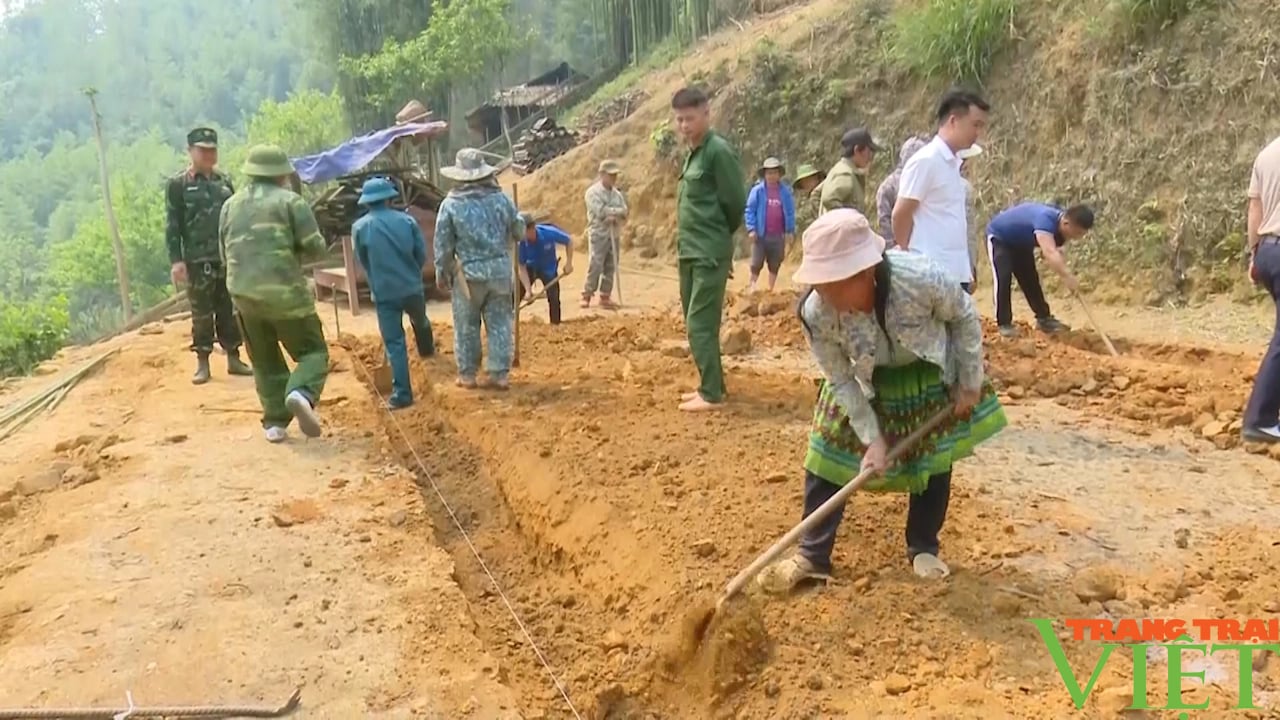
{"x": 352, "y": 155}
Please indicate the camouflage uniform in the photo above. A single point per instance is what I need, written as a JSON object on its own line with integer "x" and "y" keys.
{"x": 605, "y": 206}
{"x": 267, "y": 232}
{"x": 192, "y": 203}
{"x": 887, "y": 193}
{"x": 475, "y": 229}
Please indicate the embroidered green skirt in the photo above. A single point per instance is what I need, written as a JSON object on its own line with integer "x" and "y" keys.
{"x": 905, "y": 398}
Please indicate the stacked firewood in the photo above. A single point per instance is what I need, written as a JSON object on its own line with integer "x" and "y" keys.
{"x": 541, "y": 144}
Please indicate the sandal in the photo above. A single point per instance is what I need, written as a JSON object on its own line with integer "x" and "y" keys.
{"x": 501, "y": 385}
{"x": 929, "y": 567}
{"x": 782, "y": 577}
{"x": 468, "y": 383}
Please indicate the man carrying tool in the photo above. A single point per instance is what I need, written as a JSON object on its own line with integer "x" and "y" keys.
{"x": 709, "y": 209}
{"x": 538, "y": 261}
{"x": 390, "y": 248}
{"x": 193, "y": 201}
{"x": 475, "y": 228}
{"x": 1262, "y": 414}
{"x": 1012, "y": 239}
{"x": 267, "y": 233}
{"x": 884, "y": 374}
{"x": 929, "y": 215}
{"x": 846, "y": 183}
{"x": 606, "y": 212}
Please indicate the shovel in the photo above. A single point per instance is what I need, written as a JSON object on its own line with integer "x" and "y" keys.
{"x": 1096, "y": 327}
{"x": 542, "y": 293}
{"x": 700, "y": 624}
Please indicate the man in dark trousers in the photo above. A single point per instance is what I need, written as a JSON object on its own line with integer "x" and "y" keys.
{"x": 1012, "y": 239}
{"x": 709, "y": 209}
{"x": 390, "y": 247}
{"x": 193, "y": 202}
{"x": 538, "y": 261}
{"x": 1262, "y": 414}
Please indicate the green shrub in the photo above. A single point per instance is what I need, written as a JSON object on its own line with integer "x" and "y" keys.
{"x": 31, "y": 333}
{"x": 953, "y": 39}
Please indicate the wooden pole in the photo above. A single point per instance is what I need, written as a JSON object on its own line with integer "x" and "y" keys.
{"x": 515, "y": 282}
{"x": 122, "y": 275}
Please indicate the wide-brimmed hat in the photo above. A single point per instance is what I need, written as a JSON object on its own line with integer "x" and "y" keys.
{"x": 972, "y": 151}
{"x": 610, "y": 167}
{"x": 267, "y": 161}
{"x": 772, "y": 163}
{"x": 838, "y": 245}
{"x": 377, "y": 189}
{"x": 469, "y": 166}
{"x": 807, "y": 171}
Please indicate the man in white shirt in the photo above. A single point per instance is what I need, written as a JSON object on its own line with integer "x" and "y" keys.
{"x": 930, "y": 214}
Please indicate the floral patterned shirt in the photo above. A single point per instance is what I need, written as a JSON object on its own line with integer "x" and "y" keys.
{"x": 928, "y": 316}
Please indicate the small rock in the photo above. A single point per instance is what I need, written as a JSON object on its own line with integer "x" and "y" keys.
{"x": 175, "y": 438}
{"x": 814, "y": 682}
{"x": 704, "y": 548}
{"x": 897, "y": 684}
{"x": 862, "y": 584}
{"x": 1017, "y": 392}
{"x": 1097, "y": 584}
{"x": 1181, "y": 537}
{"x": 73, "y": 443}
{"x": 78, "y": 475}
{"x": 778, "y": 477}
{"x": 154, "y": 328}
{"x": 613, "y": 640}
{"x": 282, "y": 519}
{"x": 1231, "y": 594}
{"x": 1271, "y": 606}
{"x": 8, "y": 493}
{"x": 679, "y": 350}
{"x": 1213, "y": 429}
{"x": 1121, "y": 382}
{"x": 398, "y": 518}
{"x": 338, "y": 483}
{"x": 8, "y": 511}
{"x": 1089, "y": 387}
{"x": 735, "y": 341}
{"x": 365, "y": 538}
{"x": 771, "y": 689}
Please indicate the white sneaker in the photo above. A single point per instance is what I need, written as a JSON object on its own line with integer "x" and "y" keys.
{"x": 276, "y": 434}
{"x": 300, "y": 406}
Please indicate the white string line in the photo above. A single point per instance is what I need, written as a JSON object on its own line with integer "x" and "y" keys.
{"x": 458, "y": 524}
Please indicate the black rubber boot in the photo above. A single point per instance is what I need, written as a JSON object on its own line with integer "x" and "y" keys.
{"x": 236, "y": 366}
{"x": 201, "y": 375}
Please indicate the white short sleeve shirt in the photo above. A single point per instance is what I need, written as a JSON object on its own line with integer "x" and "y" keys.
{"x": 941, "y": 230}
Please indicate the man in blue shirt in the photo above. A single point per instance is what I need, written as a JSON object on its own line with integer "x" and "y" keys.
{"x": 1012, "y": 239}
{"x": 538, "y": 260}
{"x": 390, "y": 248}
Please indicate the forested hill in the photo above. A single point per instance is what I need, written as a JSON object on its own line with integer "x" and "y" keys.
{"x": 163, "y": 64}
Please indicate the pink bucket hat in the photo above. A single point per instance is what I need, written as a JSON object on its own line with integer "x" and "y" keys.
{"x": 838, "y": 245}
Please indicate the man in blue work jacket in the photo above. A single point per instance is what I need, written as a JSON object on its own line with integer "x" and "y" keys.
{"x": 390, "y": 248}
{"x": 538, "y": 260}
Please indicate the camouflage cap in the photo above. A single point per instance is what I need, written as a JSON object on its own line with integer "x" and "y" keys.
{"x": 532, "y": 217}
{"x": 203, "y": 137}
{"x": 610, "y": 167}
{"x": 267, "y": 161}
{"x": 807, "y": 171}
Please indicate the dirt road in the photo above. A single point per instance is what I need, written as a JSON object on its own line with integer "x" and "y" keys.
{"x": 1117, "y": 492}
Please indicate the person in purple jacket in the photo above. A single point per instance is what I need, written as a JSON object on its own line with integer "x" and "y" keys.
{"x": 1012, "y": 239}
{"x": 770, "y": 218}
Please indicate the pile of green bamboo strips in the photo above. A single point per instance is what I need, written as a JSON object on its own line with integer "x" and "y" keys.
{"x": 15, "y": 417}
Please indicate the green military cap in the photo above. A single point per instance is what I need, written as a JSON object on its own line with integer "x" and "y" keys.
{"x": 267, "y": 161}
{"x": 806, "y": 171}
{"x": 203, "y": 137}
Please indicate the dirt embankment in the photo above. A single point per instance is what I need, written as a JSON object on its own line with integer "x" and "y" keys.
{"x": 603, "y": 513}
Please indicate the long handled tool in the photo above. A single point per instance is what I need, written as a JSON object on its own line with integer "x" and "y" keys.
{"x": 1097, "y": 328}
{"x": 766, "y": 558}
{"x": 542, "y": 293}
{"x": 132, "y": 711}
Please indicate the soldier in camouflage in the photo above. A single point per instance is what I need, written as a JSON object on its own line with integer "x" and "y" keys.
{"x": 266, "y": 233}
{"x": 606, "y": 211}
{"x": 475, "y": 229}
{"x": 808, "y": 181}
{"x": 193, "y": 201}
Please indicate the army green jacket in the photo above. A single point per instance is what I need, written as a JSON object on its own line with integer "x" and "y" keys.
{"x": 710, "y": 201}
{"x": 844, "y": 187}
{"x": 266, "y": 233}
{"x": 192, "y": 206}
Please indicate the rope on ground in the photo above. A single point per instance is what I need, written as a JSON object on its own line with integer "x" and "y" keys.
{"x": 542, "y": 658}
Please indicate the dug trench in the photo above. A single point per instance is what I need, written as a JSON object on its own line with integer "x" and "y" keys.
{"x": 603, "y": 514}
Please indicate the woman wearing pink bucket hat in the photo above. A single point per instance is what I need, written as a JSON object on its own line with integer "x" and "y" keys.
{"x": 897, "y": 341}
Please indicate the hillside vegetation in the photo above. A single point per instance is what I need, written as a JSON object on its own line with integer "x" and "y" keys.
{"x": 1151, "y": 110}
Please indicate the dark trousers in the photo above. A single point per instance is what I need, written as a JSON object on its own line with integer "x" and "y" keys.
{"x": 553, "y": 291}
{"x": 926, "y": 513}
{"x": 391, "y": 326}
{"x": 1263, "y": 410}
{"x": 1010, "y": 263}
{"x": 211, "y": 308}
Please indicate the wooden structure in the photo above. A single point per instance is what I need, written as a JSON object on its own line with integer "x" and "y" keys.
{"x": 514, "y": 105}
{"x": 338, "y": 208}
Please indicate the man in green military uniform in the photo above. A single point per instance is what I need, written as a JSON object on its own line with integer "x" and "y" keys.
{"x": 709, "y": 207}
{"x": 193, "y": 201}
{"x": 846, "y": 184}
{"x": 266, "y": 234}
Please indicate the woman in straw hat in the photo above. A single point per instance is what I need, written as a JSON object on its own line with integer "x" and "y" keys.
{"x": 897, "y": 342}
{"x": 770, "y": 218}
{"x": 475, "y": 227}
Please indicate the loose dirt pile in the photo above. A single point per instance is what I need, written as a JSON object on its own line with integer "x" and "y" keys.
{"x": 603, "y": 513}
